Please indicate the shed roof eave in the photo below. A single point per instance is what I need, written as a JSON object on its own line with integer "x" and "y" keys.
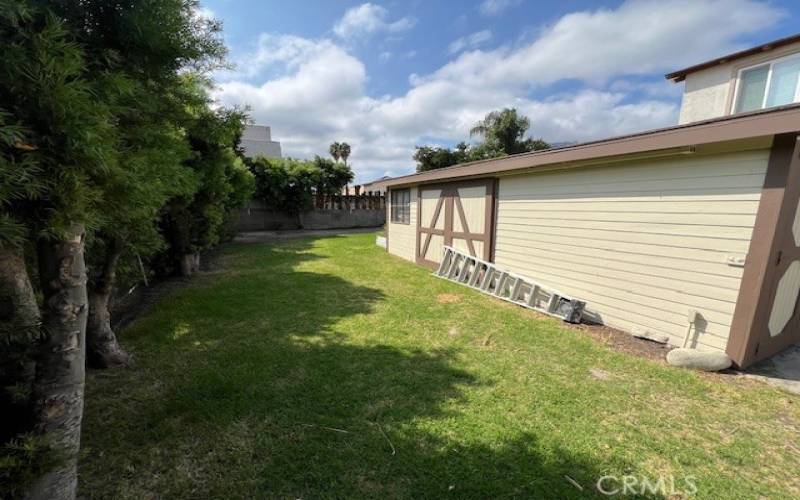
{"x": 763, "y": 123}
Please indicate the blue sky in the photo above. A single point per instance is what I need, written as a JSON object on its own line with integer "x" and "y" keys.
{"x": 386, "y": 76}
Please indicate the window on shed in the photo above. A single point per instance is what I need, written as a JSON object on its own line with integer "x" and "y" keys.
{"x": 401, "y": 206}
{"x": 772, "y": 84}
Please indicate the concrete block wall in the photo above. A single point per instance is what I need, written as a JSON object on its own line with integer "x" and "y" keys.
{"x": 256, "y": 217}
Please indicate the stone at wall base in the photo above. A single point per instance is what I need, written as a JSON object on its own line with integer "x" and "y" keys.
{"x": 708, "y": 361}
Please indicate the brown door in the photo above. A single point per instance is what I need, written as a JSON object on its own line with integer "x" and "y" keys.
{"x": 456, "y": 214}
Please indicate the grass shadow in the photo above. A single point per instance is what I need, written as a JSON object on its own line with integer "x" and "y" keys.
{"x": 259, "y": 381}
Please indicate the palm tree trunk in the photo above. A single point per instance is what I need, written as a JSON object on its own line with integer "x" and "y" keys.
{"x": 19, "y": 332}
{"x": 102, "y": 348}
{"x": 60, "y": 368}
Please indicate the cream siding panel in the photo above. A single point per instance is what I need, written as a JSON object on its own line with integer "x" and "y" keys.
{"x": 692, "y": 206}
{"x": 429, "y": 199}
{"x": 462, "y": 246}
{"x": 473, "y": 201}
{"x": 478, "y": 248}
{"x": 435, "y": 248}
{"x": 403, "y": 237}
{"x": 642, "y": 242}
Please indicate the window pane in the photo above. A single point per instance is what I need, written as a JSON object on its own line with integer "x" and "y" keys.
{"x": 752, "y": 85}
{"x": 783, "y": 84}
{"x": 401, "y": 206}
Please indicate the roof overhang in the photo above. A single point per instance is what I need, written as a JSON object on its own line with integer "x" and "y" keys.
{"x": 749, "y": 127}
{"x": 680, "y": 75}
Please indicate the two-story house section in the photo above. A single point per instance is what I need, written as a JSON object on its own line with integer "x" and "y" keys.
{"x": 761, "y": 77}
{"x": 257, "y": 141}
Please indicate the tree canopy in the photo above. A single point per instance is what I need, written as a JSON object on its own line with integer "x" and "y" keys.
{"x": 110, "y": 148}
{"x": 503, "y": 133}
{"x": 288, "y": 184}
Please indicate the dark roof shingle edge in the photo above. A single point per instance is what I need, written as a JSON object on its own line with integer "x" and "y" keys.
{"x": 680, "y": 75}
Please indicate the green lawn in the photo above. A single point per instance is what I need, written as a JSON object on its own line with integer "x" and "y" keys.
{"x": 325, "y": 368}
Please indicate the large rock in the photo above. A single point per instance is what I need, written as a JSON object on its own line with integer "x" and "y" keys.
{"x": 708, "y": 361}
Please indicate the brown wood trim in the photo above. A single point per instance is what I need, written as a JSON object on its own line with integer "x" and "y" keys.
{"x": 773, "y": 220}
{"x": 762, "y": 123}
{"x": 430, "y": 231}
{"x": 491, "y": 215}
{"x": 427, "y": 244}
{"x": 419, "y": 224}
{"x": 464, "y": 225}
{"x": 387, "y": 224}
{"x": 449, "y": 197}
{"x": 436, "y": 213}
{"x": 460, "y": 235}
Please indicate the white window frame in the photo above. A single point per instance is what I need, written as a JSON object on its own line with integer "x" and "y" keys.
{"x": 771, "y": 64}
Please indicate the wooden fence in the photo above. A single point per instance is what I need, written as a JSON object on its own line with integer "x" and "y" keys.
{"x": 366, "y": 201}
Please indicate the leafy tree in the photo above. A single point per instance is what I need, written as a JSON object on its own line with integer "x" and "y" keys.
{"x": 144, "y": 45}
{"x": 197, "y": 222}
{"x": 289, "y": 185}
{"x": 332, "y": 175}
{"x": 63, "y": 136}
{"x": 505, "y": 130}
{"x": 434, "y": 157}
{"x": 93, "y": 139}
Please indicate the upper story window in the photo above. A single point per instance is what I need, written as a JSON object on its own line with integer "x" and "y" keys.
{"x": 767, "y": 85}
{"x": 401, "y": 206}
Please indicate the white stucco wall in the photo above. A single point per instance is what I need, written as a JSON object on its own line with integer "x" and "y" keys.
{"x": 709, "y": 93}
{"x": 705, "y": 94}
{"x": 257, "y": 141}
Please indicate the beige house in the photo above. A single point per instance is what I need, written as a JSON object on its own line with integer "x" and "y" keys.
{"x": 756, "y": 78}
{"x": 649, "y": 229}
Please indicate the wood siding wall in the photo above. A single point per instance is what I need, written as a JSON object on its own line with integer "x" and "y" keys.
{"x": 642, "y": 242}
{"x": 403, "y": 237}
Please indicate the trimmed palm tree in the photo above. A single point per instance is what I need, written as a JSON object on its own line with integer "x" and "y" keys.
{"x": 334, "y": 150}
{"x": 344, "y": 152}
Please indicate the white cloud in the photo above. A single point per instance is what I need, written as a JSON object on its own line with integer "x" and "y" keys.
{"x": 368, "y": 19}
{"x": 320, "y": 95}
{"x": 495, "y": 7}
{"x": 469, "y": 41}
{"x": 638, "y": 38}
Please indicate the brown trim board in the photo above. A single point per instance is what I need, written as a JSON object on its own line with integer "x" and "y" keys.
{"x": 450, "y": 201}
{"x": 773, "y": 222}
{"x": 388, "y": 208}
{"x": 762, "y": 123}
